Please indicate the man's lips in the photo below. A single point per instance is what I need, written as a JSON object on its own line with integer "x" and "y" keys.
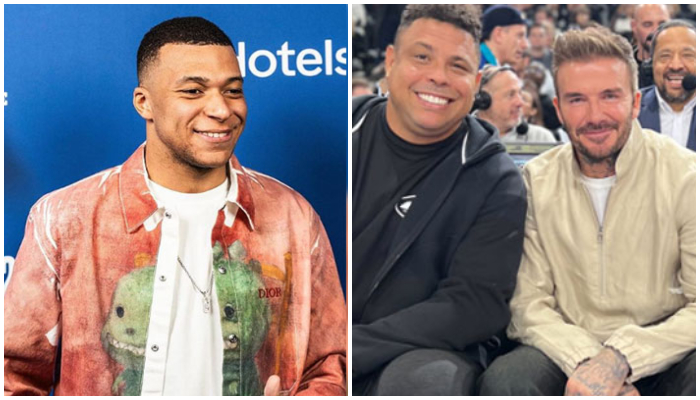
{"x": 599, "y": 134}
{"x": 674, "y": 81}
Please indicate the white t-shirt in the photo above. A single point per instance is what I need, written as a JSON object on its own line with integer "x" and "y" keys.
{"x": 599, "y": 189}
{"x": 195, "y": 351}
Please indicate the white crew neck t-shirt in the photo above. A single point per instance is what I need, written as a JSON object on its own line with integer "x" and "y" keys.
{"x": 194, "y": 358}
{"x": 599, "y": 190}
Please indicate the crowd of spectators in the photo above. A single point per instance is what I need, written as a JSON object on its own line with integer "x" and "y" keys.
{"x": 527, "y": 51}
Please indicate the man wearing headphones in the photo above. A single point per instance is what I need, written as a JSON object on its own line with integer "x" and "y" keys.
{"x": 669, "y": 105}
{"x": 645, "y": 20}
{"x": 500, "y": 103}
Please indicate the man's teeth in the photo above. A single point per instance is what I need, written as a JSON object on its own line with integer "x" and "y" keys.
{"x": 212, "y": 134}
{"x": 433, "y": 99}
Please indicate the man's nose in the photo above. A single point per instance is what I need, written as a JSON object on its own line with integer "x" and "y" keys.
{"x": 676, "y": 62}
{"x": 217, "y": 107}
{"x": 438, "y": 75}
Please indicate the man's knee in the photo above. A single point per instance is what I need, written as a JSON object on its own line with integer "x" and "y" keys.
{"x": 524, "y": 371}
{"x": 428, "y": 372}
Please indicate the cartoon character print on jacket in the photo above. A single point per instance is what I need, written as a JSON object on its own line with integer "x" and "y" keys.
{"x": 125, "y": 333}
{"x": 244, "y": 318}
{"x": 244, "y": 322}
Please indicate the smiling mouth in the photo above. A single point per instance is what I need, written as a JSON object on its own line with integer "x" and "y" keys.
{"x": 213, "y": 134}
{"x": 674, "y": 80}
{"x": 434, "y": 100}
{"x": 139, "y": 351}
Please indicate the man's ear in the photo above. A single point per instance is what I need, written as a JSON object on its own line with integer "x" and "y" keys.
{"x": 389, "y": 60}
{"x": 142, "y": 103}
{"x": 636, "y": 104}
{"x": 555, "y": 101}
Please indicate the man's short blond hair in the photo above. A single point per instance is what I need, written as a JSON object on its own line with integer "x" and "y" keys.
{"x": 590, "y": 44}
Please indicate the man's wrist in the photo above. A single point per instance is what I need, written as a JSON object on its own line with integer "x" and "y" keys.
{"x": 621, "y": 366}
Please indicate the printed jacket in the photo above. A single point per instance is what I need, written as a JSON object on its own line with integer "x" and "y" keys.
{"x": 85, "y": 271}
{"x": 629, "y": 284}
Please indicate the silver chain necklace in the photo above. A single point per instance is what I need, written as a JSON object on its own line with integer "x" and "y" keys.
{"x": 206, "y": 295}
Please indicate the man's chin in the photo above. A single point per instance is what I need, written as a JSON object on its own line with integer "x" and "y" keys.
{"x": 675, "y": 96}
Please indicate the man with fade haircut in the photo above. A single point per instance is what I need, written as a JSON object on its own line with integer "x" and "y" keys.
{"x": 605, "y": 301}
{"x": 178, "y": 272}
{"x": 438, "y": 214}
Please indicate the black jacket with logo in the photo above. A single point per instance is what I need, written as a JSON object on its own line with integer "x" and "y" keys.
{"x": 451, "y": 270}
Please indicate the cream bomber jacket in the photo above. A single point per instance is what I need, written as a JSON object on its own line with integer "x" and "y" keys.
{"x": 629, "y": 284}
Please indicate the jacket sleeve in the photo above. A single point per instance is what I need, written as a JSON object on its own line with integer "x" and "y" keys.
{"x": 651, "y": 349}
{"x": 33, "y": 310}
{"x": 536, "y": 319}
{"x": 470, "y": 303}
{"x": 326, "y": 360}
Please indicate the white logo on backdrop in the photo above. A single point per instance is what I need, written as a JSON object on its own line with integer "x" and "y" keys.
{"x": 5, "y": 99}
{"x": 9, "y": 263}
{"x": 306, "y": 62}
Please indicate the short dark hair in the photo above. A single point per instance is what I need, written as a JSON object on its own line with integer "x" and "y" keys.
{"x": 185, "y": 30}
{"x": 463, "y": 16}
{"x": 674, "y": 23}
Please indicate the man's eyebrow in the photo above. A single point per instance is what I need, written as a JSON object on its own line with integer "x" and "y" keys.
{"x": 203, "y": 81}
{"x": 572, "y": 95}
{"x": 426, "y": 45}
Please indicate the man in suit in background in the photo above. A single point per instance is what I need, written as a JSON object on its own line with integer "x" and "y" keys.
{"x": 667, "y": 106}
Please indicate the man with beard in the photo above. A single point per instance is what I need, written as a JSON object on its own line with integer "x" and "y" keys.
{"x": 605, "y": 299}
{"x": 669, "y": 107}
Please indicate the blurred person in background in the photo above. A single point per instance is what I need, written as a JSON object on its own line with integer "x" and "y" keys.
{"x": 504, "y": 36}
{"x": 504, "y": 109}
{"x": 539, "y": 47}
{"x": 645, "y": 21}
{"x": 361, "y": 87}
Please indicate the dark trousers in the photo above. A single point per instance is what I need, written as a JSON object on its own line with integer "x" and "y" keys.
{"x": 423, "y": 372}
{"x": 526, "y": 371}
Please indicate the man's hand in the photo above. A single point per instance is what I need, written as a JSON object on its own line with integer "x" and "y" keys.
{"x": 602, "y": 375}
{"x": 629, "y": 390}
{"x": 272, "y": 387}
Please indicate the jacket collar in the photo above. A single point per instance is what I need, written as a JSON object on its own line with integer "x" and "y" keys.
{"x": 140, "y": 208}
{"x": 627, "y": 154}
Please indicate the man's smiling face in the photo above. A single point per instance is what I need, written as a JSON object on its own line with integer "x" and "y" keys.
{"x": 431, "y": 72}
{"x": 194, "y": 104}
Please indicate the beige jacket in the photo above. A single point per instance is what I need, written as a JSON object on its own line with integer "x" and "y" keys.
{"x": 629, "y": 284}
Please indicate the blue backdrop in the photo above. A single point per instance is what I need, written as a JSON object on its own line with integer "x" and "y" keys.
{"x": 70, "y": 72}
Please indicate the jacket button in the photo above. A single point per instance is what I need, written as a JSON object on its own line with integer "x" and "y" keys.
{"x": 222, "y": 270}
{"x": 168, "y": 215}
{"x": 162, "y": 278}
{"x": 154, "y": 347}
{"x": 233, "y": 339}
{"x": 229, "y": 311}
